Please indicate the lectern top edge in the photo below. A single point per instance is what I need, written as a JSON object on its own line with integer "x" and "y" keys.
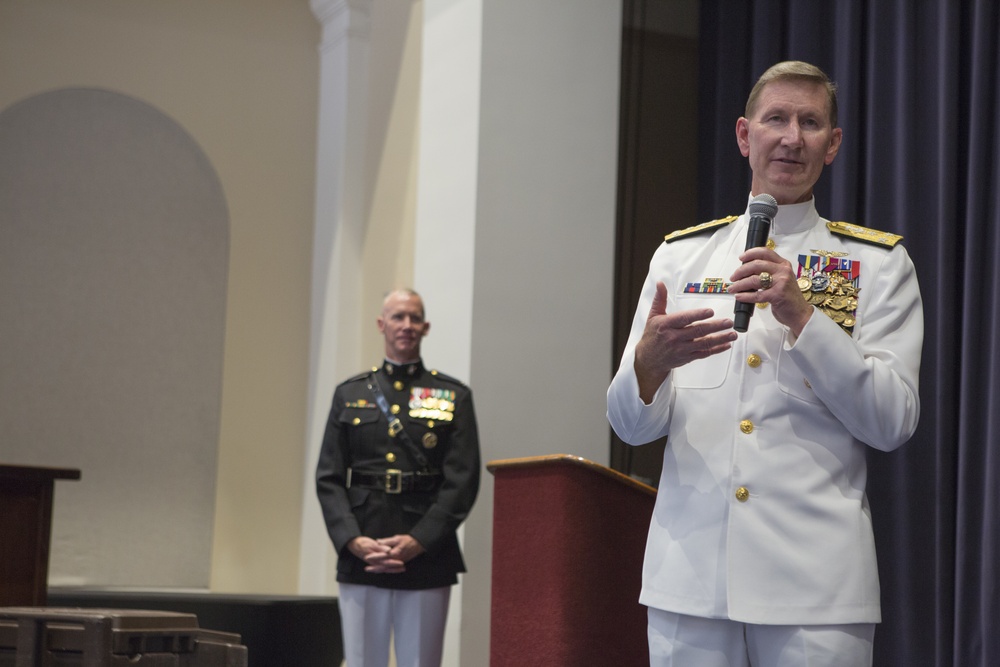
{"x": 549, "y": 460}
{"x": 42, "y": 472}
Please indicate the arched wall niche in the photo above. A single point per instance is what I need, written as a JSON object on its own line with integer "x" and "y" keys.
{"x": 114, "y": 247}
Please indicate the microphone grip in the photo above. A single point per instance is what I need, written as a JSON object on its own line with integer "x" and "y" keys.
{"x": 760, "y": 227}
{"x": 741, "y": 316}
{"x": 757, "y": 232}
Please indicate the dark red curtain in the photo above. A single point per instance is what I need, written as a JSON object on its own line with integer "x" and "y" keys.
{"x": 919, "y": 83}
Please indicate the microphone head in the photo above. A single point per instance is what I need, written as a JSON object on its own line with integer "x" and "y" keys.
{"x": 764, "y": 205}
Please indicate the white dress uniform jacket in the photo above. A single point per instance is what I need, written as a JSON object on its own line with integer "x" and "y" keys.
{"x": 761, "y": 514}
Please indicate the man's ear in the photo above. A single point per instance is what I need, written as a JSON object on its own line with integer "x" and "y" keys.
{"x": 743, "y": 135}
{"x": 834, "y": 147}
{"x": 427, "y": 328}
{"x": 380, "y": 323}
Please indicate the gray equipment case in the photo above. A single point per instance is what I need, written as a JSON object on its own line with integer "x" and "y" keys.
{"x": 74, "y": 637}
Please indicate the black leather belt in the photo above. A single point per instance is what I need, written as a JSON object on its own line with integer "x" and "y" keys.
{"x": 396, "y": 481}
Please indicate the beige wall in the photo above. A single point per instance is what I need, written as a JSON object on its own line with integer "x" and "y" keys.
{"x": 241, "y": 77}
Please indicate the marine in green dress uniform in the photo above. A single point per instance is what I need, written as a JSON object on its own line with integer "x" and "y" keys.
{"x": 399, "y": 467}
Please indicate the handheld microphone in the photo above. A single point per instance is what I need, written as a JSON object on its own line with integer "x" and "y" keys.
{"x": 762, "y": 210}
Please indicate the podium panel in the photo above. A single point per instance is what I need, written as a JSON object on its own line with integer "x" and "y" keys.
{"x": 25, "y": 524}
{"x": 568, "y": 542}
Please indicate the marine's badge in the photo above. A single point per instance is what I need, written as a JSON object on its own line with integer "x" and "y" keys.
{"x": 432, "y": 403}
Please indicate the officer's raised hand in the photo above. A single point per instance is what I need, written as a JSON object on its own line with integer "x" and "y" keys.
{"x": 672, "y": 340}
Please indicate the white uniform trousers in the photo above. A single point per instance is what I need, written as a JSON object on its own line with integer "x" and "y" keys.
{"x": 415, "y": 620}
{"x": 676, "y": 640}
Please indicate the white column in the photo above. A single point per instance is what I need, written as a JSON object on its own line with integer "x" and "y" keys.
{"x": 339, "y": 234}
{"x": 447, "y": 177}
{"x": 544, "y": 250}
{"x": 446, "y": 201}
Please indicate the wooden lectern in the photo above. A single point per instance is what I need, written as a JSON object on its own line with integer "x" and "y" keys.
{"x": 568, "y": 542}
{"x": 25, "y": 530}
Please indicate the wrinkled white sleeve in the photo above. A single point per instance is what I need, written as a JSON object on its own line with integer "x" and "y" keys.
{"x": 870, "y": 382}
{"x": 632, "y": 420}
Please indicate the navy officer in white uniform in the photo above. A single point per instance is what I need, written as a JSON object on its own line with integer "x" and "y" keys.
{"x": 760, "y": 549}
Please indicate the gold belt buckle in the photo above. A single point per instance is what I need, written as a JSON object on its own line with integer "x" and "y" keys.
{"x": 393, "y": 481}
{"x": 395, "y": 426}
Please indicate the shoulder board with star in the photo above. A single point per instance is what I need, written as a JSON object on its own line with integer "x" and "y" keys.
{"x": 699, "y": 229}
{"x": 873, "y": 236}
{"x": 447, "y": 378}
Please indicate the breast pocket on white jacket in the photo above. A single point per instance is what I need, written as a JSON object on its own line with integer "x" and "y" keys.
{"x": 710, "y": 372}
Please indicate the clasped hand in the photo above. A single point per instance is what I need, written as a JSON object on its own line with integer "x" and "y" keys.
{"x": 387, "y": 555}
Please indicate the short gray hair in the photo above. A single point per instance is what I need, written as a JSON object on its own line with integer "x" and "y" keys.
{"x": 794, "y": 70}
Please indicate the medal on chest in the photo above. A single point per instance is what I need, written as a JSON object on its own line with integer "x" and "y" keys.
{"x": 830, "y": 281}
